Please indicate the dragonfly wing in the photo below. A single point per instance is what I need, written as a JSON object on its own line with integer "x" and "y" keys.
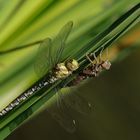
{"x": 77, "y": 102}
{"x": 50, "y": 52}
{"x": 58, "y": 44}
{"x": 43, "y": 61}
{"x": 62, "y": 118}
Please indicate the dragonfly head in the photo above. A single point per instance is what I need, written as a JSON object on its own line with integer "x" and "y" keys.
{"x": 72, "y": 65}
{"x": 106, "y": 65}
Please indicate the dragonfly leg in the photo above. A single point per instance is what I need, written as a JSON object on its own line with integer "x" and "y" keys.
{"x": 107, "y": 56}
{"x": 95, "y": 57}
{"x": 100, "y": 55}
{"x": 89, "y": 59}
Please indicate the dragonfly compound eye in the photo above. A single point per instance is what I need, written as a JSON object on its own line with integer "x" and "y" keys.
{"x": 106, "y": 65}
{"x": 61, "y": 71}
{"x": 72, "y": 65}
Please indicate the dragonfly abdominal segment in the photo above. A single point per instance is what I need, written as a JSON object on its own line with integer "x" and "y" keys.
{"x": 20, "y": 99}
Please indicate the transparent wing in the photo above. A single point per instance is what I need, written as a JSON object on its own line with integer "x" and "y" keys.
{"x": 63, "y": 119}
{"x": 43, "y": 61}
{"x": 60, "y": 110}
{"x": 61, "y": 115}
{"x": 50, "y": 52}
{"x": 77, "y": 102}
{"x": 58, "y": 44}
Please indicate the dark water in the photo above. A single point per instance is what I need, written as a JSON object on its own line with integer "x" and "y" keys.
{"x": 116, "y": 116}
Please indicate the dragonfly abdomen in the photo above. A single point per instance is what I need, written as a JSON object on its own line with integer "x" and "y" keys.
{"x": 26, "y": 95}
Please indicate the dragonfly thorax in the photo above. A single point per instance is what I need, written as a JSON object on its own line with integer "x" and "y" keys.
{"x": 61, "y": 71}
{"x": 72, "y": 65}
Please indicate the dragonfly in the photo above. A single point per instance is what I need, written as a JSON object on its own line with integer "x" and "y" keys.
{"x": 49, "y": 60}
